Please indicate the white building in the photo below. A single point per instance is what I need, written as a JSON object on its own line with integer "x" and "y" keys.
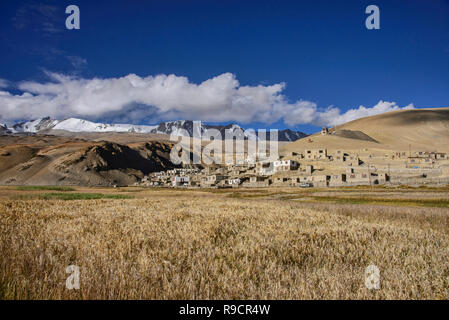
{"x": 285, "y": 165}
{"x": 235, "y": 181}
{"x": 180, "y": 181}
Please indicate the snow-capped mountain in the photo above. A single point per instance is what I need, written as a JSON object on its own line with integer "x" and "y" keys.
{"x": 79, "y": 125}
{"x": 196, "y": 129}
{"x": 290, "y": 135}
{"x": 34, "y": 125}
{"x": 178, "y": 128}
{"x": 76, "y": 125}
{"x": 182, "y": 126}
{"x": 4, "y": 129}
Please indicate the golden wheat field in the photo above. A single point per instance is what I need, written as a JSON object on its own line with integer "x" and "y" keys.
{"x": 168, "y": 244}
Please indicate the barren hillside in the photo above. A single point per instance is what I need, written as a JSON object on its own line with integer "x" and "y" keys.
{"x": 50, "y": 160}
{"x": 417, "y": 129}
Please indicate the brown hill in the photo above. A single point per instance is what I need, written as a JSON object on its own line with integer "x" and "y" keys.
{"x": 50, "y": 160}
{"x": 416, "y": 129}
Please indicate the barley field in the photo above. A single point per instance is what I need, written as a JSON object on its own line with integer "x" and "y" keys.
{"x": 250, "y": 244}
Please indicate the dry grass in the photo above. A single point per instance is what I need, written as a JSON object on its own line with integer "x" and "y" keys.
{"x": 436, "y": 202}
{"x": 201, "y": 245}
{"x": 45, "y": 188}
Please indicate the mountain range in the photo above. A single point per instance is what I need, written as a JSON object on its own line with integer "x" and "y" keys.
{"x": 58, "y": 157}
{"x": 178, "y": 128}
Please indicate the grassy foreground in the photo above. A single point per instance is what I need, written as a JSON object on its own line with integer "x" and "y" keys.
{"x": 199, "y": 245}
{"x": 38, "y": 188}
{"x": 82, "y": 196}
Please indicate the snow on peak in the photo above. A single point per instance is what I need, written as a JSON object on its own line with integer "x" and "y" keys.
{"x": 80, "y": 125}
{"x": 177, "y": 128}
{"x": 34, "y": 125}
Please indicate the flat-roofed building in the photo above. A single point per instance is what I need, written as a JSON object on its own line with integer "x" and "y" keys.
{"x": 285, "y": 165}
{"x": 315, "y": 154}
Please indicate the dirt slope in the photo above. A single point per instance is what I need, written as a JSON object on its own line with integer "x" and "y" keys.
{"x": 417, "y": 129}
{"x": 49, "y": 160}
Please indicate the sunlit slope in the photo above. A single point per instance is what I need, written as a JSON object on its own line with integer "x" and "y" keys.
{"x": 418, "y": 129}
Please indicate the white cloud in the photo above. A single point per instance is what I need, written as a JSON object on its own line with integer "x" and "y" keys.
{"x": 333, "y": 116}
{"x": 41, "y": 17}
{"x": 77, "y": 62}
{"x": 169, "y": 97}
{"x": 3, "y": 83}
{"x": 306, "y": 112}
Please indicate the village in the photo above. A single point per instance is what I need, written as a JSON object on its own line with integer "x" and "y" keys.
{"x": 313, "y": 168}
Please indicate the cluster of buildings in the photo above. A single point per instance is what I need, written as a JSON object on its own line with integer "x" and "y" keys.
{"x": 314, "y": 167}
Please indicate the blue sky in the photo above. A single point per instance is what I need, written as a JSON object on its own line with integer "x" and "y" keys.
{"x": 320, "y": 51}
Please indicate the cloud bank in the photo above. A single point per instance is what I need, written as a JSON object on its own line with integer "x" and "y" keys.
{"x": 168, "y": 97}
{"x": 3, "y": 83}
